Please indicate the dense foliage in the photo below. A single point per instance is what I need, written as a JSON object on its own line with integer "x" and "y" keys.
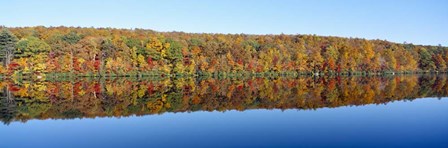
{"x": 60, "y": 51}
{"x": 124, "y": 97}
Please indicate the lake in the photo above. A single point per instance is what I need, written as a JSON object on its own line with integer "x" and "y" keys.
{"x": 342, "y": 111}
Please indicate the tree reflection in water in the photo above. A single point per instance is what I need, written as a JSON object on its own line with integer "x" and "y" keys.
{"x": 83, "y": 98}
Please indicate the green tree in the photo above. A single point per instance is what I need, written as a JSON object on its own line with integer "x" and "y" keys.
{"x": 37, "y": 50}
{"x": 7, "y": 45}
{"x": 32, "y": 45}
{"x": 72, "y": 37}
{"x": 173, "y": 53}
{"x": 426, "y": 62}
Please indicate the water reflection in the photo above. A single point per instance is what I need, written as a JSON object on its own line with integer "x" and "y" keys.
{"x": 87, "y": 98}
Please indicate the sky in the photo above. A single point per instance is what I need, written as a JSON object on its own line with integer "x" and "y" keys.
{"x": 412, "y": 21}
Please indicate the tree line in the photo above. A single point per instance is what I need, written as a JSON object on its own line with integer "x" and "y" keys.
{"x": 119, "y": 97}
{"x": 62, "y": 51}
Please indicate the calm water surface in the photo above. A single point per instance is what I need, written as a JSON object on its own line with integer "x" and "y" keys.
{"x": 407, "y": 111}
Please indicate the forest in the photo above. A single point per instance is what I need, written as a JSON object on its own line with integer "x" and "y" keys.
{"x": 121, "y": 97}
{"x": 107, "y": 52}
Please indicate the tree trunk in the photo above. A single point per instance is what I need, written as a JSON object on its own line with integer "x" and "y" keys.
{"x": 8, "y": 56}
{"x": 100, "y": 70}
{"x": 9, "y": 97}
{"x": 71, "y": 61}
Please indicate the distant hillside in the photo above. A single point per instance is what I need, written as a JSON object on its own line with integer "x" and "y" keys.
{"x": 62, "y": 51}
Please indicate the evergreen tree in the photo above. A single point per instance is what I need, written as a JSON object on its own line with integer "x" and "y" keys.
{"x": 7, "y": 45}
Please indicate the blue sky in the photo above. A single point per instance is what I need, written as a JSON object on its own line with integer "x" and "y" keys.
{"x": 418, "y": 22}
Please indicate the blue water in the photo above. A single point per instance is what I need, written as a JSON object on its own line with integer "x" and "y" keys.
{"x": 418, "y": 123}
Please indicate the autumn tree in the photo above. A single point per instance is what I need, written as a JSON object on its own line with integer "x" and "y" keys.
{"x": 126, "y": 52}
{"x": 330, "y": 56}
